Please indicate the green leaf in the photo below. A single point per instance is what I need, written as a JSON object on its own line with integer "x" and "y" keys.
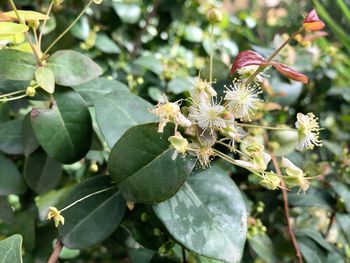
{"x": 93, "y": 219}
{"x": 6, "y": 213}
{"x": 207, "y": 216}
{"x": 72, "y": 68}
{"x": 118, "y": 111}
{"x": 16, "y": 65}
{"x": 311, "y": 252}
{"x": 343, "y": 221}
{"x": 343, "y": 191}
{"x": 9, "y": 28}
{"x": 11, "y": 181}
{"x": 99, "y": 87}
{"x": 141, "y": 163}
{"x": 46, "y": 79}
{"x": 27, "y": 15}
{"x": 315, "y": 236}
{"x": 11, "y": 137}
{"x": 193, "y": 33}
{"x": 129, "y": 13}
{"x": 29, "y": 141}
{"x": 106, "y": 45}
{"x": 179, "y": 85}
{"x": 314, "y": 197}
{"x": 25, "y": 225}
{"x": 64, "y": 130}
{"x": 263, "y": 247}
{"x": 150, "y": 63}
{"x": 41, "y": 172}
{"x": 11, "y": 249}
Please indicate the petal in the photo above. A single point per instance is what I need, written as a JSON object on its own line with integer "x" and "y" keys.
{"x": 312, "y": 22}
{"x": 247, "y": 58}
{"x": 290, "y": 73}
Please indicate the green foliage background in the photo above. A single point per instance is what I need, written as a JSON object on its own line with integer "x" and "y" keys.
{"x": 144, "y": 54}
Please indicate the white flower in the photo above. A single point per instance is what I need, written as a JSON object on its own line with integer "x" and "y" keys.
{"x": 203, "y": 153}
{"x": 202, "y": 91}
{"x": 206, "y": 115}
{"x": 296, "y": 176}
{"x": 169, "y": 112}
{"x": 308, "y": 131}
{"x": 242, "y": 99}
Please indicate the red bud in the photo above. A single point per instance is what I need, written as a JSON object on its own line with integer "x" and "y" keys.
{"x": 247, "y": 58}
{"x": 290, "y": 73}
{"x": 312, "y": 22}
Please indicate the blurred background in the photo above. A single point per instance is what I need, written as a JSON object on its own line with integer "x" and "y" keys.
{"x": 159, "y": 46}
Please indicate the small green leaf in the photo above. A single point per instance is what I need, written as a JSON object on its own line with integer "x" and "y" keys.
{"x": 262, "y": 245}
{"x": 129, "y": 13}
{"x": 106, "y": 45}
{"x": 27, "y": 15}
{"x": 11, "y": 249}
{"x": 11, "y": 137}
{"x": 179, "y": 85}
{"x": 41, "y": 172}
{"x": 72, "y": 68}
{"x": 207, "y": 216}
{"x": 150, "y": 63}
{"x": 46, "y": 79}
{"x": 16, "y": 65}
{"x": 95, "y": 218}
{"x": 9, "y": 28}
{"x": 118, "y": 111}
{"x": 11, "y": 181}
{"x": 99, "y": 87}
{"x": 141, "y": 163}
{"x": 64, "y": 130}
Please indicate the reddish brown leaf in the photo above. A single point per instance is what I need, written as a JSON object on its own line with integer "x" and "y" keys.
{"x": 247, "y": 58}
{"x": 312, "y": 22}
{"x": 290, "y": 73}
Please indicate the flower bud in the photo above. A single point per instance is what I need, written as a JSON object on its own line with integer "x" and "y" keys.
{"x": 97, "y": 2}
{"x": 312, "y": 22}
{"x": 179, "y": 143}
{"x": 214, "y": 15}
{"x": 34, "y": 24}
{"x": 271, "y": 181}
{"x": 30, "y": 92}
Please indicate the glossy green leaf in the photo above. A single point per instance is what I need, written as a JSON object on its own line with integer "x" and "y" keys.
{"x": 9, "y": 28}
{"x": 343, "y": 221}
{"x": 6, "y": 213}
{"x": 11, "y": 137}
{"x": 41, "y": 172}
{"x": 141, "y": 163}
{"x": 46, "y": 79}
{"x": 314, "y": 197}
{"x": 94, "y": 219}
{"x": 11, "y": 181}
{"x": 128, "y": 12}
{"x": 106, "y": 44}
{"x": 16, "y": 65}
{"x": 25, "y": 225}
{"x": 207, "y": 216}
{"x": 29, "y": 141}
{"x": 27, "y": 15}
{"x": 263, "y": 247}
{"x": 315, "y": 236}
{"x": 11, "y": 249}
{"x": 311, "y": 252}
{"x": 150, "y": 63}
{"x": 64, "y": 130}
{"x": 99, "y": 87}
{"x": 118, "y": 111}
{"x": 72, "y": 68}
{"x": 179, "y": 85}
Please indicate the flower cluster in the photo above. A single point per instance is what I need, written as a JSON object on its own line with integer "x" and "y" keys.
{"x": 208, "y": 120}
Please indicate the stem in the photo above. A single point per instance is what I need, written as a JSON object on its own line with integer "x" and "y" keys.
{"x": 270, "y": 58}
{"x": 12, "y": 3}
{"x": 265, "y": 127}
{"x": 286, "y": 210}
{"x": 13, "y": 98}
{"x": 183, "y": 254}
{"x": 211, "y": 53}
{"x": 87, "y": 196}
{"x": 56, "y": 252}
{"x": 67, "y": 29}
{"x": 35, "y": 37}
{"x": 44, "y": 23}
{"x": 12, "y": 93}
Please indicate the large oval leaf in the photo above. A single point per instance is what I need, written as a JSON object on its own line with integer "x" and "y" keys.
{"x": 95, "y": 218}
{"x": 99, "y": 87}
{"x": 141, "y": 163}
{"x": 72, "y": 68}
{"x": 11, "y": 137}
{"x": 11, "y": 181}
{"x": 119, "y": 111}
{"x": 11, "y": 249}
{"x": 208, "y": 216}
{"x": 16, "y": 65}
{"x": 64, "y": 130}
{"x": 41, "y": 172}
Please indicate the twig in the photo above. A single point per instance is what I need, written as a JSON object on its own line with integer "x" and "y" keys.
{"x": 331, "y": 222}
{"x": 286, "y": 210}
{"x": 183, "y": 254}
{"x": 44, "y": 23}
{"x": 143, "y": 29}
{"x": 56, "y": 252}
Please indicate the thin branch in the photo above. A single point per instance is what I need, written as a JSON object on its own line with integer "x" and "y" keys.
{"x": 56, "y": 252}
{"x": 286, "y": 210}
{"x": 138, "y": 40}
{"x": 44, "y": 23}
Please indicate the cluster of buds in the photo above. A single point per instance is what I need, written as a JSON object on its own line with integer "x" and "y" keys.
{"x": 207, "y": 122}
